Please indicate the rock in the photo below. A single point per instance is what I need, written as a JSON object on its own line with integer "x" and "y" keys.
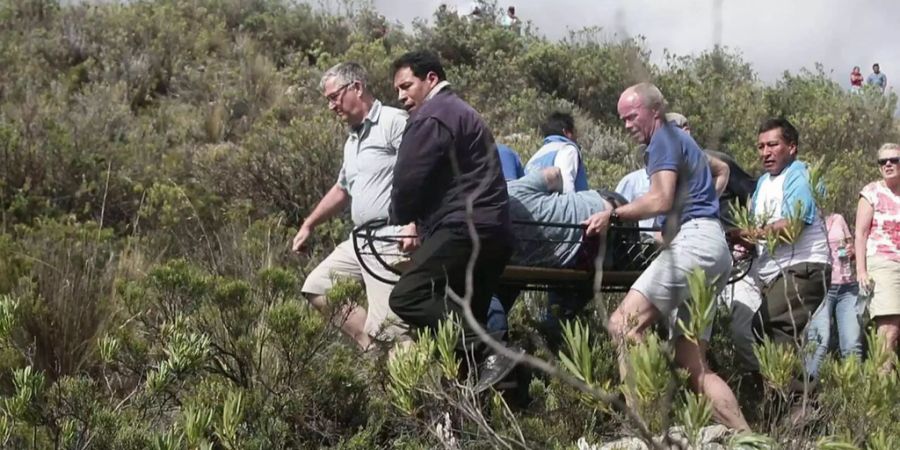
{"x": 713, "y": 437}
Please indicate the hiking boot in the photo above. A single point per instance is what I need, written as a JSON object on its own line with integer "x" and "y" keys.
{"x": 494, "y": 369}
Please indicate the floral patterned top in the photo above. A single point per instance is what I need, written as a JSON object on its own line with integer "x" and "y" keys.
{"x": 884, "y": 235}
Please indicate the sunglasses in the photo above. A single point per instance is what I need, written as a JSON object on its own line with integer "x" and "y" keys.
{"x": 895, "y": 161}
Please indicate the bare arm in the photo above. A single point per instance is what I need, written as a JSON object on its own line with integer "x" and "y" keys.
{"x": 334, "y": 201}
{"x": 848, "y": 237}
{"x": 864, "y": 214}
{"x": 720, "y": 172}
{"x": 778, "y": 227}
{"x": 657, "y": 201}
{"x": 553, "y": 178}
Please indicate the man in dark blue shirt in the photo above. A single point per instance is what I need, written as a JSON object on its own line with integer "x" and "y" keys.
{"x": 448, "y": 181}
{"x": 681, "y": 190}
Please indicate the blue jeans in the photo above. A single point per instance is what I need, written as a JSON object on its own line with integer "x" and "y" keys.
{"x": 561, "y": 306}
{"x": 497, "y": 324}
{"x": 841, "y": 303}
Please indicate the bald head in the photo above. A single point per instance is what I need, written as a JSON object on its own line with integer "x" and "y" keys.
{"x": 642, "y": 108}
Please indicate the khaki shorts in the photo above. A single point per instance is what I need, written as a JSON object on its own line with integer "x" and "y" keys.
{"x": 381, "y": 322}
{"x": 886, "y": 296}
{"x": 699, "y": 244}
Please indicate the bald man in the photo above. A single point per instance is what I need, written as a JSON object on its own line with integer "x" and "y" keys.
{"x": 683, "y": 192}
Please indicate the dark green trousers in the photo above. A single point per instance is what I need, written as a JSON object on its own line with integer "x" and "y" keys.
{"x": 790, "y": 300}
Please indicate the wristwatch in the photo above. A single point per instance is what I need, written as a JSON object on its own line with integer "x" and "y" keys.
{"x": 613, "y": 216}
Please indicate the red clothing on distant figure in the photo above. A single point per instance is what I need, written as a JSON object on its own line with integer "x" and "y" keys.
{"x": 856, "y": 79}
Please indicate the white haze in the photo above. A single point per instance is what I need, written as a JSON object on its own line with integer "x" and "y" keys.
{"x": 773, "y": 36}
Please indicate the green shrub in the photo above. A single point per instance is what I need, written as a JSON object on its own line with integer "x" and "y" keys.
{"x": 156, "y": 157}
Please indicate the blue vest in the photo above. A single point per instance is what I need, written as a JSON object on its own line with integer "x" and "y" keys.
{"x": 547, "y": 159}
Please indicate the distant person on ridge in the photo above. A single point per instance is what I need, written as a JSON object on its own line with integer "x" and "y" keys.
{"x": 510, "y": 19}
{"x": 856, "y": 80}
{"x": 877, "y": 78}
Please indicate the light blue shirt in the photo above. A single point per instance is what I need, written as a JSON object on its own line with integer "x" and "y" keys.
{"x": 877, "y": 79}
{"x": 370, "y": 153}
{"x": 634, "y": 185}
{"x": 531, "y": 200}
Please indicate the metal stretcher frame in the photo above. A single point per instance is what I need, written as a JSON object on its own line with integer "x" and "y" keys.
{"x": 531, "y": 278}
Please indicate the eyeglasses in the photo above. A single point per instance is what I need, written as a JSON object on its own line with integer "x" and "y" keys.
{"x": 895, "y": 161}
{"x": 335, "y": 97}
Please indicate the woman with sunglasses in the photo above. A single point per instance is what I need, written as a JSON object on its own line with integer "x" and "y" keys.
{"x": 878, "y": 238}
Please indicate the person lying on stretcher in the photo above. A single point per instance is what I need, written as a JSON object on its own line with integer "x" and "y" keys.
{"x": 537, "y": 197}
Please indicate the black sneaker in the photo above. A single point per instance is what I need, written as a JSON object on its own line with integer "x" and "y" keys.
{"x": 494, "y": 369}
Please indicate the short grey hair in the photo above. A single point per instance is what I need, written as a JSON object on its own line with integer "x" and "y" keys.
{"x": 346, "y": 73}
{"x": 677, "y": 119}
{"x": 651, "y": 96}
{"x": 889, "y": 146}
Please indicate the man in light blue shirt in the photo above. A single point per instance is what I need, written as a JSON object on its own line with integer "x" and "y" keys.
{"x": 536, "y": 198}
{"x": 634, "y": 185}
{"x": 364, "y": 184}
{"x": 877, "y": 78}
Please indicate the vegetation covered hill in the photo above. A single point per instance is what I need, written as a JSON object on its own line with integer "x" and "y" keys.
{"x": 156, "y": 155}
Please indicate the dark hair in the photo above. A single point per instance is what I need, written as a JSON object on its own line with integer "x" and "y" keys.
{"x": 876, "y": 65}
{"x": 788, "y": 132}
{"x": 420, "y": 63}
{"x": 556, "y": 123}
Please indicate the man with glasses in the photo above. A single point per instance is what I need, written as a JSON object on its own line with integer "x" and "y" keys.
{"x": 364, "y": 183}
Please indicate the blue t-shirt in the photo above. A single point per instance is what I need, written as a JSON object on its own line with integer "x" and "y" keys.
{"x": 877, "y": 79}
{"x": 672, "y": 149}
{"x": 510, "y": 163}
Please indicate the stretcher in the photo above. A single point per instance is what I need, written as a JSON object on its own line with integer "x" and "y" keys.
{"x": 628, "y": 250}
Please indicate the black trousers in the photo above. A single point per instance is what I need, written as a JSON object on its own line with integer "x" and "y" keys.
{"x": 420, "y": 296}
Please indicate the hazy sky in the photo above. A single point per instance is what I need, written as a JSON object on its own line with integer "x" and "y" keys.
{"x": 772, "y": 35}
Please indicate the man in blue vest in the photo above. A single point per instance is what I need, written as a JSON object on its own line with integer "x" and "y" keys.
{"x": 560, "y": 150}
